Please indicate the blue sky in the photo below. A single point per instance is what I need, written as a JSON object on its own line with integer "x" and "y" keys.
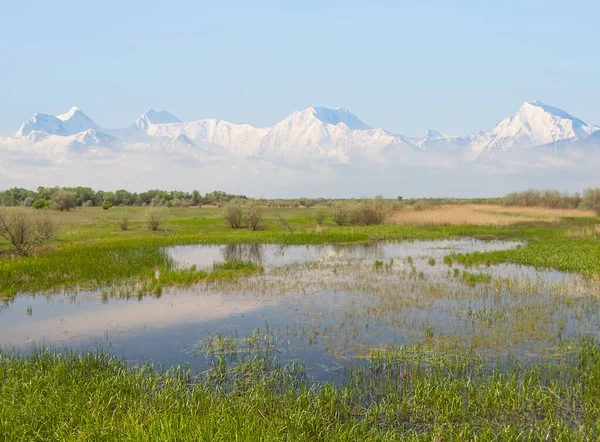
{"x": 457, "y": 67}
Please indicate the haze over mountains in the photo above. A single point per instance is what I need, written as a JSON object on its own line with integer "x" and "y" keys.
{"x": 335, "y": 140}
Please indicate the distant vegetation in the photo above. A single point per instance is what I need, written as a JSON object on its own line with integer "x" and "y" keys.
{"x": 343, "y": 211}
{"x": 555, "y": 199}
{"x": 67, "y": 198}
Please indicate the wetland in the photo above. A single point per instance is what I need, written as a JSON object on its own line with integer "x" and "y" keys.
{"x": 335, "y": 333}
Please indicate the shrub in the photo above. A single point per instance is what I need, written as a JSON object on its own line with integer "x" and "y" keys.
{"x": 124, "y": 223}
{"x": 253, "y": 213}
{"x": 41, "y": 204}
{"x": 233, "y": 213}
{"x": 24, "y": 228}
{"x": 64, "y": 200}
{"x": 306, "y": 202}
{"x": 155, "y": 217}
{"x": 591, "y": 200}
{"x": 369, "y": 212}
{"x": 321, "y": 213}
{"x": 106, "y": 205}
{"x": 88, "y": 203}
{"x": 340, "y": 213}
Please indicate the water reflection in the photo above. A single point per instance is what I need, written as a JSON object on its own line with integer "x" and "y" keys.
{"x": 243, "y": 252}
{"x": 276, "y": 255}
{"x": 329, "y": 304}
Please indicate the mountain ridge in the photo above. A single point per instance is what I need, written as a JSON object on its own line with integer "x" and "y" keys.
{"x": 315, "y": 133}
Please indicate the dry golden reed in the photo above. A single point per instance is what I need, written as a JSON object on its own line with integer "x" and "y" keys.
{"x": 481, "y": 215}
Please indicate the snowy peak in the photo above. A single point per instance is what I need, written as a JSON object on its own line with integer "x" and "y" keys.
{"x": 75, "y": 121}
{"x": 311, "y": 134}
{"x": 553, "y": 110}
{"x": 90, "y": 138}
{"x": 151, "y": 117}
{"x": 433, "y": 134}
{"x": 70, "y": 114}
{"x": 535, "y": 124}
{"x": 69, "y": 123}
{"x": 337, "y": 116}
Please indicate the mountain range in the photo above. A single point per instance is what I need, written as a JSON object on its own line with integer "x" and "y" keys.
{"x": 313, "y": 134}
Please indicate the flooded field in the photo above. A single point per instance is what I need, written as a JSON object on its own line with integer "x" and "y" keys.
{"x": 322, "y": 306}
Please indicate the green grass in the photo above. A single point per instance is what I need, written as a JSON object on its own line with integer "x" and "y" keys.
{"x": 220, "y": 271}
{"x": 91, "y": 251}
{"x": 579, "y": 255}
{"x": 405, "y": 393}
{"x": 476, "y": 278}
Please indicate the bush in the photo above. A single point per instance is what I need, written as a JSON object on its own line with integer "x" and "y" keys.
{"x": 253, "y": 213}
{"x": 306, "y": 202}
{"x": 24, "y": 228}
{"x": 321, "y": 213}
{"x": 124, "y": 223}
{"x": 64, "y": 200}
{"x": 88, "y": 203}
{"x": 369, "y": 212}
{"x": 340, "y": 214}
{"x": 591, "y": 200}
{"x": 233, "y": 212}
{"x": 155, "y": 217}
{"x": 41, "y": 204}
{"x": 106, "y": 205}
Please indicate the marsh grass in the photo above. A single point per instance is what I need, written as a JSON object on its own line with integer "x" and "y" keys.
{"x": 476, "y": 278}
{"x": 402, "y": 393}
{"x": 571, "y": 254}
{"x": 220, "y": 271}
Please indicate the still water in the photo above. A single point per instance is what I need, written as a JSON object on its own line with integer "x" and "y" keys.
{"x": 323, "y": 306}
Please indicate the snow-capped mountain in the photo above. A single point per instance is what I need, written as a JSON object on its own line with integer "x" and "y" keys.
{"x": 241, "y": 139}
{"x": 69, "y": 123}
{"x": 316, "y": 133}
{"x": 151, "y": 117}
{"x": 434, "y": 140}
{"x": 75, "y": 121}
{"x": 44, "y": 123}
{"x": 534, "y": 124}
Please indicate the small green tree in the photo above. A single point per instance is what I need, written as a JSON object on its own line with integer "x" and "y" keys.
{"x": 253, "y": 213}
{"x": 233, "y": 212}
{"x": 155, "y": 216}
{"x": 321, "y": 213}
{"x": 106, "y": 205}
{"x": 340, "y": 214}
{"x": 64, "y": 200}
{"x": 40, "y": 204}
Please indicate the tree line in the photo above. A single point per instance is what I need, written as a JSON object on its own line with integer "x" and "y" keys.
{"x": 54, "y": 197}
